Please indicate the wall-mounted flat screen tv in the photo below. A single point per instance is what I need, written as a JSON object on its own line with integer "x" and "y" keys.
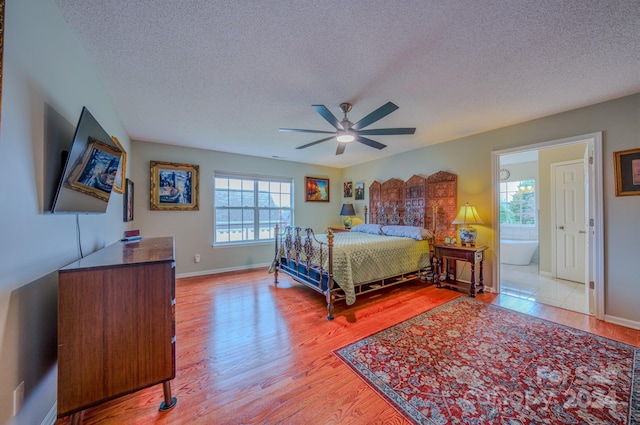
{"x": 89, "y": 170}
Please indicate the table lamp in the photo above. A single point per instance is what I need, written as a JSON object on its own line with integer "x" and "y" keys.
{"x": 466, "y": 216}
{"x": 347, "y": 212}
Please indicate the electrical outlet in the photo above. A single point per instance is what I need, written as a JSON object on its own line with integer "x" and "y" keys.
{"x": 196, "y": 258}
{"x": 18, "y": 398}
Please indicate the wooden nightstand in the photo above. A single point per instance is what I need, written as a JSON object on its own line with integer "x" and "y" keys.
{"x": 338, "y": 229}
{"x": 472, "y": 255}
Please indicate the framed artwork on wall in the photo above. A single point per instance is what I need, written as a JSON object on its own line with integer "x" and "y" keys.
{"x": 96, "y": 170}
{"x": 128, "y": 201}
{"x": 174, "y": 187}
{"x": 316, "y": 189}
{"x": 359, "y": 188}
{"x": 627, "y": 172}
{"x": 347, "y": 188}
{"x": 121, "y": 176}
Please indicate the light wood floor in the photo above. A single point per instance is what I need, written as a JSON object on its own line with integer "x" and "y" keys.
{"x": 249, "y": 352}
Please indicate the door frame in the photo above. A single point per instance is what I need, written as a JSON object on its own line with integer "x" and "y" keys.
{"x": 595, "y": 210}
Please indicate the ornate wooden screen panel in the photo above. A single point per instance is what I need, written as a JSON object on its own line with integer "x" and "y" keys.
{"x": 411, "y": 203}
{"x": 415, "y": 201}
{"x": 392, "y": 198}
{"x": 442, "y": 191}
{"x": 374, "y": 202}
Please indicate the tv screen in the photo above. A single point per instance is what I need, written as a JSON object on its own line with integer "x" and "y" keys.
{"x": 89, "y": 170}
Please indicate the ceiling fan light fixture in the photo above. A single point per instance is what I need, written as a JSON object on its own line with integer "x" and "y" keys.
{"x": 345, "y": 136}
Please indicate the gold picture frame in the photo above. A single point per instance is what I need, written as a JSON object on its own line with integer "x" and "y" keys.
{"x": 95, "y": 171}
{"x": 316, "y": 189}
{"x": 121, "y": 177}
{"x": 627, "y": 172}
{"x": 174, "y": 186}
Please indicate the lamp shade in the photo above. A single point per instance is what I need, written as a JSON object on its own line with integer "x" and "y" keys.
{"x": 347, "y": 210}
{"x": 467, "y": 215}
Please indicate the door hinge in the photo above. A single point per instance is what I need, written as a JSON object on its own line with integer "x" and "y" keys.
{"x": 592, "y": 284}
{"x": 591, "y": 222}
{"x": 590, "y": 160}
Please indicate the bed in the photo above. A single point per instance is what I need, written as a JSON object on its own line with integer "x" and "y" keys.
{"x": 393, "y": 246}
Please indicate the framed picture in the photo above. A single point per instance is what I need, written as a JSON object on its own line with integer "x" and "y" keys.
{"x": 121, "y": 176}
{"x": 316, "y": 189}
{"x": 174, "y": 187}
{"x": 347, "y": 188}
{"x": 96, "y": 170}
{"x": 627, "y": 172}
{"x": 128, "y": 201}
{"x": 1, "y": 44}
{"x": 359, "y": 191}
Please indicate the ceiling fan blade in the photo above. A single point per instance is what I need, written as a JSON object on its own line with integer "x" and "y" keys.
{"x": 379, "y": 113}
{"x": 387, "y": 131}
{"x": 327, "y": 115}
{"x": 341, "y": 147}
{"x": 300, "y": 130}
{"x": 370, "y": 142}
{"x": 315, "y": 143}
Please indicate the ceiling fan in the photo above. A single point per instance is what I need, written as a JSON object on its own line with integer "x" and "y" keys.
{"x": 346, "y": 131}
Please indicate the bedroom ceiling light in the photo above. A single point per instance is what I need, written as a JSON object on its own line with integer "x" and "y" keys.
{"x": 345, "y": 136}
{"x": 467, "y": 215}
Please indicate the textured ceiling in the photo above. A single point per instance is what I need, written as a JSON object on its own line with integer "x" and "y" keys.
{"x": 225, "y": 75}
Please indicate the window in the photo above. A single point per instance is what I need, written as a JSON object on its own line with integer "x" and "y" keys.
{"x": 518, "y": 202}
{"x": 247, "y": 208}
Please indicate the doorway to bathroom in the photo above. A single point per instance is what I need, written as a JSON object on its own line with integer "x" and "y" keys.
{"x": 548, "y": 200}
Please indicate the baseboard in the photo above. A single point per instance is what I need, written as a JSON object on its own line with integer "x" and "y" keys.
{"x": 50, "y": 419}
{"x": 225, "y": 270}
{"x": 545, "y": 274}
{"x": 622, "y": 322}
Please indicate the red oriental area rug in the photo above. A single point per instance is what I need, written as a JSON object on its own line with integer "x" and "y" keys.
{"x": 469, "y": 362}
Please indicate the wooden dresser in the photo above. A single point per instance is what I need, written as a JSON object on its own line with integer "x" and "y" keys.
{"x": 116, "y": 325}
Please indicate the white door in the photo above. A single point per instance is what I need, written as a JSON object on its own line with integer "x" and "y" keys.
{"x": 570, "y": 219}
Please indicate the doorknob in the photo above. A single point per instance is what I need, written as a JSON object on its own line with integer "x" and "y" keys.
{"x": 561, "y": 227}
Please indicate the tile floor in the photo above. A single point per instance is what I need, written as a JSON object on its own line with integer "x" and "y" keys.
{"x": 524, "y": 282}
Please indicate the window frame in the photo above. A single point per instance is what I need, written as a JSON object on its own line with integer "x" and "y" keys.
{"x": 256, "y": 181}
{"x": 521, "y": 214}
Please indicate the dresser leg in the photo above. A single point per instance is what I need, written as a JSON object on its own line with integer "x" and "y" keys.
{"x": 77, "y": 418}
{"x": 169, "y": 402}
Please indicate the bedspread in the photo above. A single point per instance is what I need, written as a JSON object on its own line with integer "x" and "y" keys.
{"x": 360, "y": 257}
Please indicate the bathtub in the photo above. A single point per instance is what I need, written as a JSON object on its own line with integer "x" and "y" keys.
{"x": 517, "y": 252}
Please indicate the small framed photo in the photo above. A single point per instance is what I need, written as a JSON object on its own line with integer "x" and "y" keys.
{"x": 316, "y": 189}
{"x": 627, "y": 172}
{"x": 347, "y": 188}
{"x": 174, "y": 187}
{"x": 95, "y": 172}
{"x": 121, "y": 175}
{"x": 359, "y": 191}
{"x": 128, "y": 201}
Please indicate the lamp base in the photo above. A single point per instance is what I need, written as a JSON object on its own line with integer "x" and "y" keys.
{"x": 467, "y": 236}
{"x": 347, "y": 222}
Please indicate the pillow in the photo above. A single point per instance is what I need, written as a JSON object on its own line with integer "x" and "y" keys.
{"x": 373, "y": 229}
{"x": 413, "y": 232}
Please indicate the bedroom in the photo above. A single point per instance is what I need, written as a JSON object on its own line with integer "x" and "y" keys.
{"x": 35, "y": 244}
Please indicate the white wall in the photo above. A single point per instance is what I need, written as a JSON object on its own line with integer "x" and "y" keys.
{"x": 193, "y": 230}
{"x": 44, "y": 67}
